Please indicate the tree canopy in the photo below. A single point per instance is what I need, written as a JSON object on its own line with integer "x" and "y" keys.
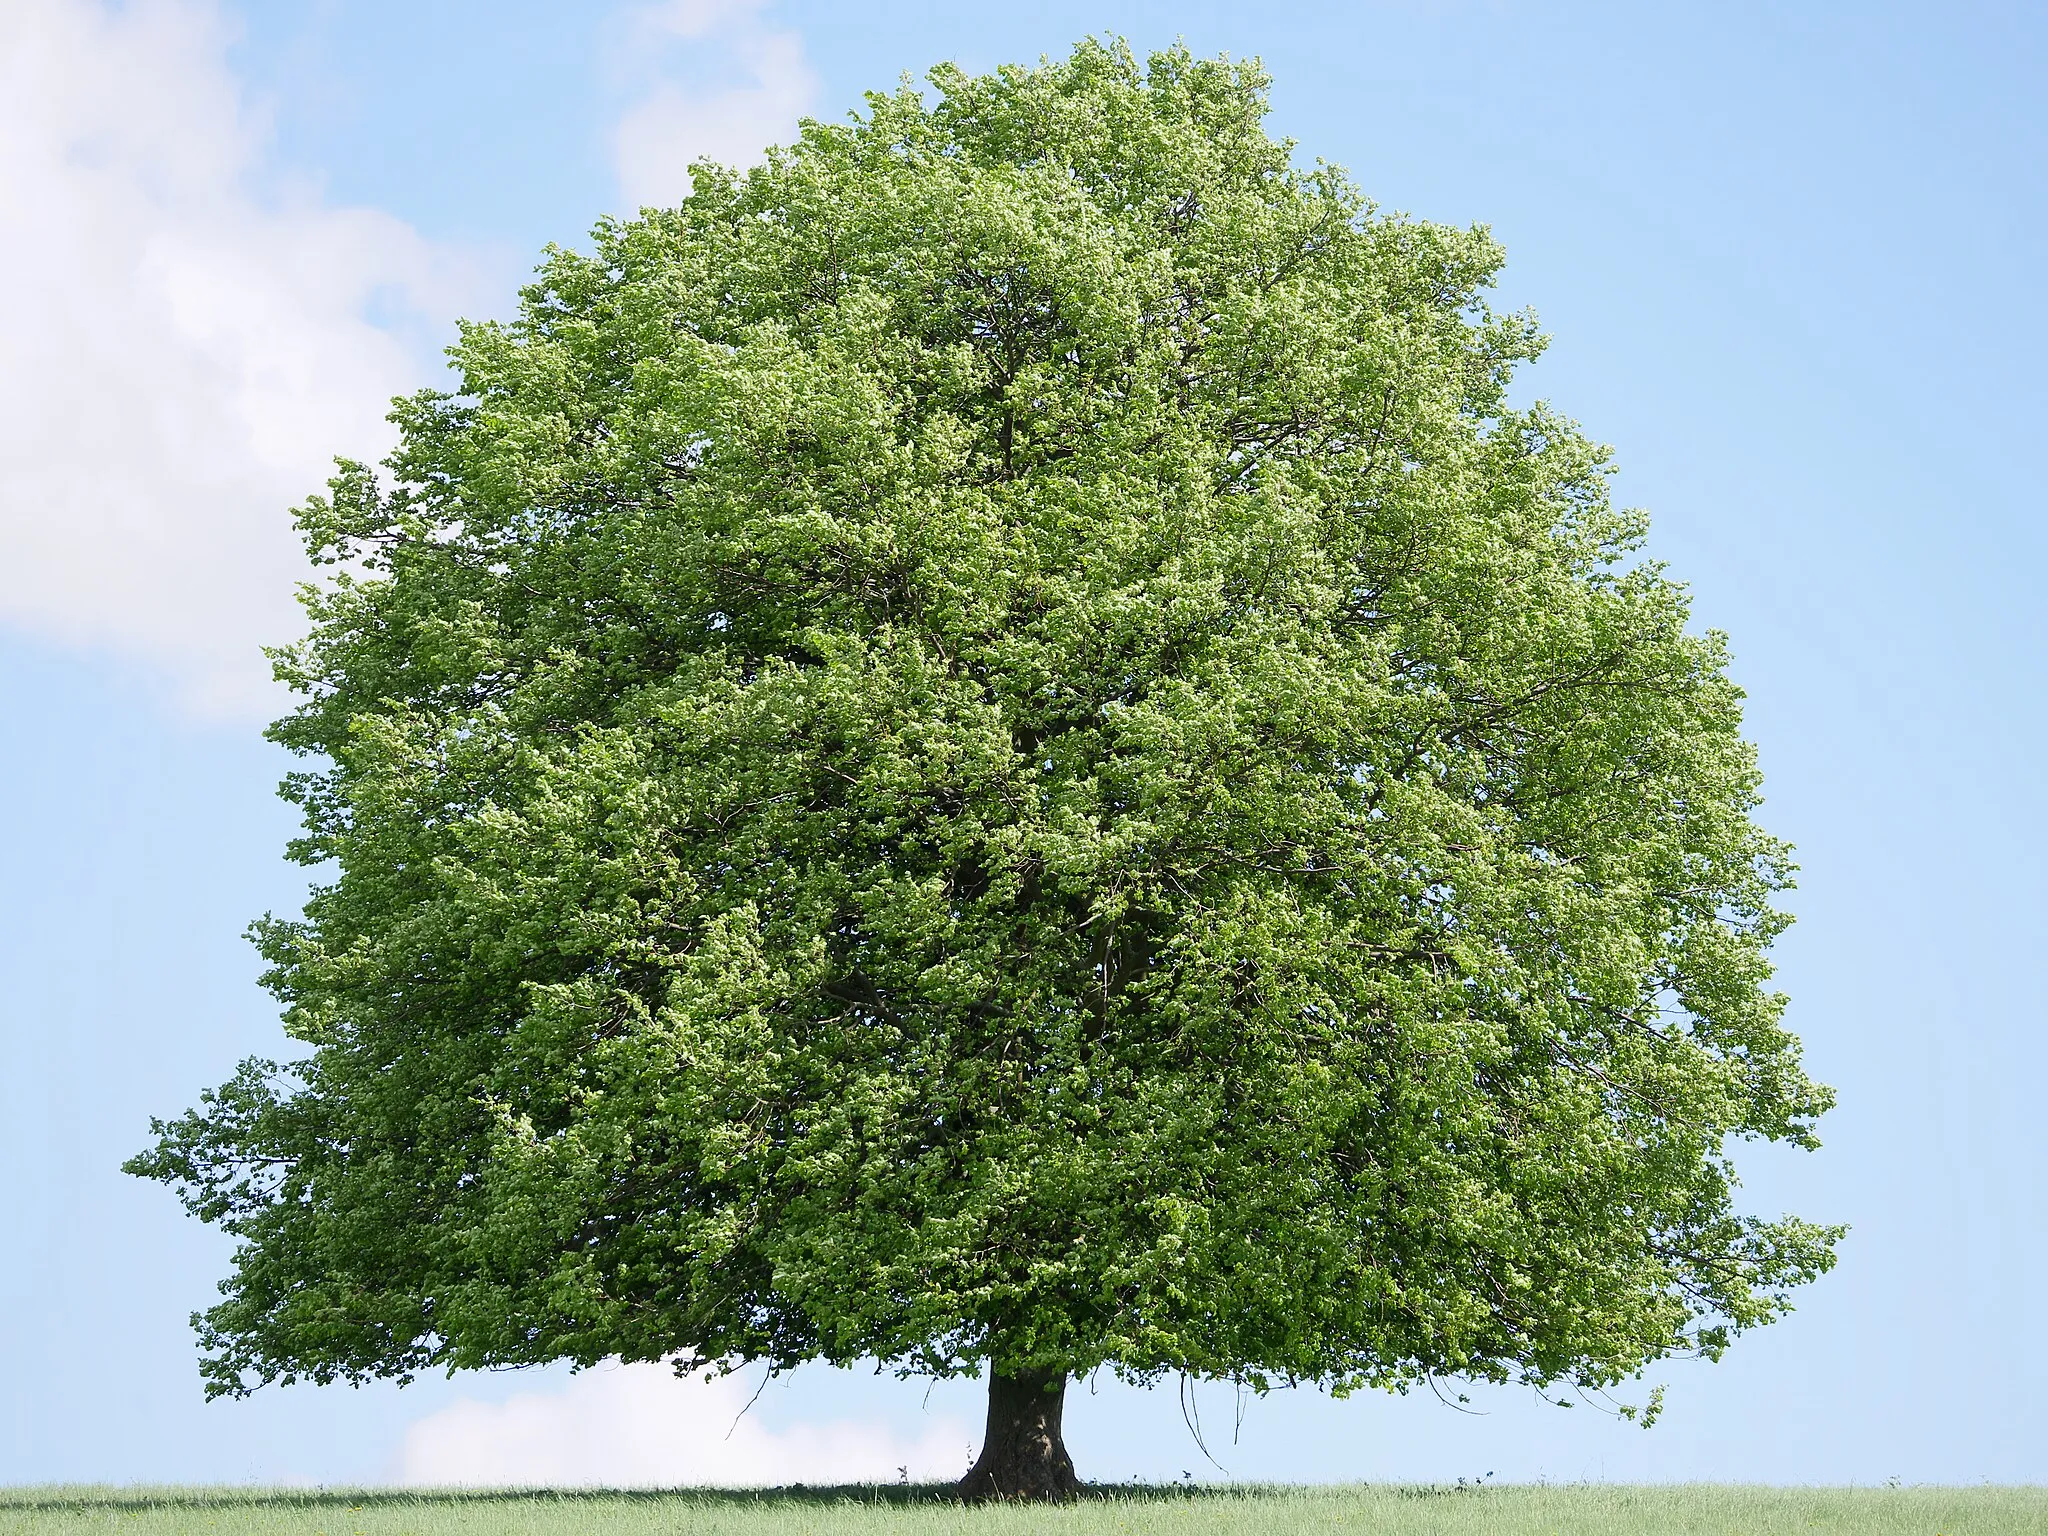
{"x": 993, "y": 746}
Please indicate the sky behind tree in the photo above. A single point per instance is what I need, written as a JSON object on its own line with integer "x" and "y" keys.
{"x": 1784, "y": 255}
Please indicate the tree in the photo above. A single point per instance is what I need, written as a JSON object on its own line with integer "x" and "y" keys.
{"x": 993, "y": 748}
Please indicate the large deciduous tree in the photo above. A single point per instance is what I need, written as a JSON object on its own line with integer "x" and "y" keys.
{"x": 992, "y": 747}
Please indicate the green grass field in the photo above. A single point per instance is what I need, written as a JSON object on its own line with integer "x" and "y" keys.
{"x": 1696, "y": 1510}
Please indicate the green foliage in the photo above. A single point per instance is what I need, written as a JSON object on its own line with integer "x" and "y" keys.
{"x": 994, "y": 743}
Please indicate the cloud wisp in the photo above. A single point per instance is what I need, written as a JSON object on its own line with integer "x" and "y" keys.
{"x": 190, "y": 342}
{"x": 755, "y": 83}
{"x": 639, "y": 1426}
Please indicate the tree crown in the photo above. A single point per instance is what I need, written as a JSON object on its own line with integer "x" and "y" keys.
{"x": 994, "y": 743}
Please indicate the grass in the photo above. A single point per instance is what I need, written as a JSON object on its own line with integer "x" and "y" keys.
{"x": 1710, "y": 1509}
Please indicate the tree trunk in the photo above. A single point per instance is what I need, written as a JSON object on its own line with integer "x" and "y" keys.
{"x": 1022, "y": 1455}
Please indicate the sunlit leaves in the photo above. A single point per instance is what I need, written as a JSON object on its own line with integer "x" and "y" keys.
{"x": 993, "y": 742}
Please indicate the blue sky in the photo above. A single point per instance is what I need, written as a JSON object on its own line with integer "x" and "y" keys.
{"x": 1788, "y": 255}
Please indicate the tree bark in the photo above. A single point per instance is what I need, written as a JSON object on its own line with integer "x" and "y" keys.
{"x": 1022, "y": 1454}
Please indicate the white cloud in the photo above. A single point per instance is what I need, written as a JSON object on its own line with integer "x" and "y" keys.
{"x": 639, "y": 1426}
{"x": 766, "y": 86}
{"x": 188, "y": 344}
